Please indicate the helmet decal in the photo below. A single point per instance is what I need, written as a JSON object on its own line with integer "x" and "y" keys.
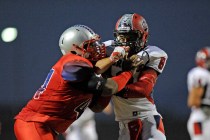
{"x": 87, "y": 28}
{"x": 125, "y": 23}
{"x": 144, "y": 25}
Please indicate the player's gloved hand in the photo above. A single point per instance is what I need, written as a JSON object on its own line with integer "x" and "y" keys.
{"x": 132, "y": 63}
{"x": 117, "y": 54}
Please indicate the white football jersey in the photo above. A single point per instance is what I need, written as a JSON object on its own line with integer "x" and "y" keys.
{"x": 131, "y": 108}
{"x": 200, "y": 77}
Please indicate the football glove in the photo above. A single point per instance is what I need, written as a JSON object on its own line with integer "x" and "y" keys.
{"x": 131, "y": 64}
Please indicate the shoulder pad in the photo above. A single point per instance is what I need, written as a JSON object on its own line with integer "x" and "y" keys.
{"x": 76, "y": 71}
{"x": 154, "y": 57}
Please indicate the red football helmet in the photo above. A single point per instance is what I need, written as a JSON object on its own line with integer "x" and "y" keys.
{"x": 203, "y": 58}
{"x": 135, "y": 27}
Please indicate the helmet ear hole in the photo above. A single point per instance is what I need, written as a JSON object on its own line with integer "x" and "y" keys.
{"x": 85, "y": 46}
{"x": 73, "y": 52}
{"x": 62, "y": 41}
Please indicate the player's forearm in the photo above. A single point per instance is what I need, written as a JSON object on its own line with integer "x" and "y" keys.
{"x": 122, "y": 79}
{"x": 102, "y": 65}
{"x": 194, "y": 102}
{"x": 116, "y": 83}
{"x": 194, "y": 97}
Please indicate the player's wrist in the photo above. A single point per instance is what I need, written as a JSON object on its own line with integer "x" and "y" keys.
{"x": 117, "y": 54}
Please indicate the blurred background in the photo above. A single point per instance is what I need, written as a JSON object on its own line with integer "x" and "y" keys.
{"x": 179, "y": 27}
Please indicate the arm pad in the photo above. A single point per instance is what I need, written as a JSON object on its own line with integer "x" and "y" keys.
{"x": 99, "y": 103}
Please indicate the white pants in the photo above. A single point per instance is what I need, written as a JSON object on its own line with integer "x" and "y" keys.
{"x": 199, "y": 125}
{"x": 150, "y": 128}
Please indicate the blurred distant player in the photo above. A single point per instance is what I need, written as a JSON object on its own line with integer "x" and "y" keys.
{"x": 134, "y": 106}
{"x": 198, "y": 81}
{"x": 84, "y": 128}
{"x": 70, "y": 87}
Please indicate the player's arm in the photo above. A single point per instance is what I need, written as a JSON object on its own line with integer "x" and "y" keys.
{"x": 114, "y": 85}
{"x": 194, "y": 96}
{"x": 143, "y": 87}
{"x": 117, "y": 83}
{"x": 81, "y": 75}
{"x": 106, "y": 89}
{"x": 102, "y": 65}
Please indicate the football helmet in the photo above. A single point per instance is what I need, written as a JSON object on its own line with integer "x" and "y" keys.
{"x": 82, "y": 41}
{"x": 131, "y": 30}
{"x": 203, "y": 58}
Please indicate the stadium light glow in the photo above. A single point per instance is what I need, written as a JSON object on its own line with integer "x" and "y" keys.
{"x": 9, "y": 34}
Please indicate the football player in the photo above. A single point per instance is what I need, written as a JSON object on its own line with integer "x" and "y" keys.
{"x": 198, "y": 82}
{"x": 69, "y": 88}
{"x": 134, "y": 106}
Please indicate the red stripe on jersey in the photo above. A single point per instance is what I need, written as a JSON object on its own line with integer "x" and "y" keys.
{"x": 161, "y": 126}
{"x": 197, "y": 128}
{"x": 135, "y": 128}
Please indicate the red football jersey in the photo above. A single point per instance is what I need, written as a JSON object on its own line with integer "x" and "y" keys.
{"x": 57, "y": 103}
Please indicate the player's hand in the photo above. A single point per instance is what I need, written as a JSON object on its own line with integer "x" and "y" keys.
{"x": 132, "y": 63}
{"x": 117, "y": 54}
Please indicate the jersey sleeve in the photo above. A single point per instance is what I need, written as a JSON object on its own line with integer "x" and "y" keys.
{"x": 76, "y": 71}
{"x": 154, "y": 57}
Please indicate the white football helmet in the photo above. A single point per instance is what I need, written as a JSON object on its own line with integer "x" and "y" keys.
{"x": 82, "y": 41}
{"x": 202, "y": 58}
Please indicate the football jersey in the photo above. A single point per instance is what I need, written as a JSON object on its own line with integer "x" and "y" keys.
{"x": 200, "y": 77}
{"x": 131, "y": 108}
{"x": 57, "y": 103}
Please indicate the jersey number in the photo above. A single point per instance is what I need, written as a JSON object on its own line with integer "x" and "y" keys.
{"x": 44, "y": 86}
{"x": 80, "y": 109}
{"x": 161, "y": 63}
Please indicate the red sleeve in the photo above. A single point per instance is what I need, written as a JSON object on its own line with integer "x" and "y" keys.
{"x": 122, "y": 79}
{"x": 144, "y": 86}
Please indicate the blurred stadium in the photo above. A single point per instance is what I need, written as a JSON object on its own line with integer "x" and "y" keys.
{"x": 30, "y": 31}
